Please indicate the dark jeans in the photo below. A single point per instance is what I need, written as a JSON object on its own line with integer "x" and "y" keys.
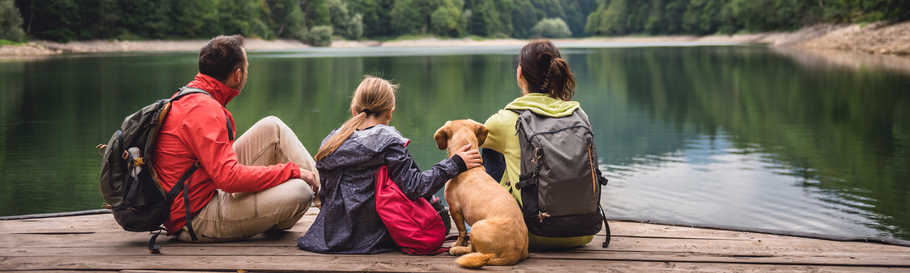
{"x": 494, "y": 162}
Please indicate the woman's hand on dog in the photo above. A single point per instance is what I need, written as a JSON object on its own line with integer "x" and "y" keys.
{"x": 471, "y": 157}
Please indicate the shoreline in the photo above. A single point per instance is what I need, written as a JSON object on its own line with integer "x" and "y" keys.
{"x": 49, "y": 48}
{"x": 881, "y": 38}
{"x": 881, "y": 45}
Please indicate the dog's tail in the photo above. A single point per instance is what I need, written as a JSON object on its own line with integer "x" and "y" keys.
{"x": 474, "y": 260}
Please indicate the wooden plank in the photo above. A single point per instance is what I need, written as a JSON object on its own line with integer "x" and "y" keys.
{"x": 94, "y": 223}
{"x": 855, "y": 259}
{"x": 769, "y": 245}
{"x": 97, "y": 223}
{"x": 96, "y": 242}
{"x": 380, "y": 264}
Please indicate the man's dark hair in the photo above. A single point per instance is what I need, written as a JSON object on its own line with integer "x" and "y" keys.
{"x": 221, "y": 56}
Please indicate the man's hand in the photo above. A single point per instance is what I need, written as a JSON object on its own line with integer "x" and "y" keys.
{"x": 310, "y": 178}
{"x": 471, "y": 157}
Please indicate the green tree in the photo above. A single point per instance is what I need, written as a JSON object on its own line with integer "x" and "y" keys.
{"x": 608, "y": 19}
{"x": 196, "y": 18}
{"x": 349, "y": 27}
{"x": 54, "y": 20}
{"x": 295, "y": 25}
{"x": 10, "y": 22}
{"x": 406, "y": 17}
{"x": 285, "y": 18}
{"x": 729, "y": 23}
{"x": 703, "y": 16}
{"x": 767, "y": 15}
{"x": 864, "y": 10}
{"x": 376, "y": 20}
{"x": 549, "y": 8}
{"x": 574, "y": 17}
{"x": 524, "y": 16}
{"x": 318, "y": 11}
{"x": 490, "y": 18}
{"x": 447, "y": 19}
{"x": 320, "y": 36}
{"x": 101, "y": 19}
{"x": 551, "y": 28}
{"x": 654, "y": 23}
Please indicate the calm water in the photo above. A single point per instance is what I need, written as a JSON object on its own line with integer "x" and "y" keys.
{"x": 733, "y": 135}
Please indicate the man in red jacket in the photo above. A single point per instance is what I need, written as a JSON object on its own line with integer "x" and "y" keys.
{"x": 265, "y": 180}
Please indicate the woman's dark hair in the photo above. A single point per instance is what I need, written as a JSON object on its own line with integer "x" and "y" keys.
{"x": 545, "y": 70}
{"x": 221, "y": 56}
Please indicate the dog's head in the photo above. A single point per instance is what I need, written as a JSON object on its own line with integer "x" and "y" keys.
{"x": 457, "y": 133}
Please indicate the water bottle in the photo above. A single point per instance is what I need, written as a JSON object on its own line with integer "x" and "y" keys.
{"x": 134, "y": 153}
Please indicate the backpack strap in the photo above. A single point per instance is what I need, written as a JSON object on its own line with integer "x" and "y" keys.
{"x": 186, "y": 90}
{"x": 606, "y": 225}
{"x": 529, "y": 178}
{"x": 184, "y": 185}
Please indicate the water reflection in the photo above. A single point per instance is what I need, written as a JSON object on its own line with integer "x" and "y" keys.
{"x": 795, "y": 148}
{"x": 852, "y": 60}
{"x": 710, "y": 181}
{"x": 735, "y": 135}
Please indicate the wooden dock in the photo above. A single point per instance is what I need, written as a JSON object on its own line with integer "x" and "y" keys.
{"x": 97, "y": 243}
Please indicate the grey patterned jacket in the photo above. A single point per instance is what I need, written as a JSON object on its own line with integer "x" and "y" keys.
{"x": 348, "y": 222}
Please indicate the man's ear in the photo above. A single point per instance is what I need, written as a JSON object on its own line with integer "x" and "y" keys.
{"x": 235, "y": 78}
{"x": 442, "y": 136}
{"x": 481, "y": 132}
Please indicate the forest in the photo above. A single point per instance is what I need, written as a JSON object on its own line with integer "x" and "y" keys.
{"x": 705, "y": 17}
{"x": 319, "y": 21}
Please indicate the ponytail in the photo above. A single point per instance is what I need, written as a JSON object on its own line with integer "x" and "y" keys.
{"x": 546, "y": 71}
{"x": 561, "y": 81}
{"x": 374, "y": 97}
{"x": 346, "y": 130}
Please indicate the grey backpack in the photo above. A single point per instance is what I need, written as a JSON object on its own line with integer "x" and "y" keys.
{"x": 560, "y": 183}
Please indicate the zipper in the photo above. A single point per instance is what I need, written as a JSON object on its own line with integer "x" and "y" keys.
{"x": 593, "y": 176}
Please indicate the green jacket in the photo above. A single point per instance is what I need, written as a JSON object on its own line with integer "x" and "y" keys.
{"x": 502, "y": 138}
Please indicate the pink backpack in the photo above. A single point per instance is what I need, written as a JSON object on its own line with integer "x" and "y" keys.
{"x": 414, "y": 225}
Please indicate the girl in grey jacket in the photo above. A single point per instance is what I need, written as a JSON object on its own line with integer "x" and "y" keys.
{"x": 347, "y": 160}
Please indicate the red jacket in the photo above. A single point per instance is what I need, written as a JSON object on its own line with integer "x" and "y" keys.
{"x": 196, "y": 129}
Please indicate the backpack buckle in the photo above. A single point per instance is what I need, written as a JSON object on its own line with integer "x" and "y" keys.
{"x": 542, "y": 215}
{"x": 101, "y": 147}
{"x": 538, "y": 153}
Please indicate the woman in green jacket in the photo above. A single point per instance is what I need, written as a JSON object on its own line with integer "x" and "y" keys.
{"x": 547, "y": 86}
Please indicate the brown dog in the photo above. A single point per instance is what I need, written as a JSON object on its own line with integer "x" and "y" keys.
{"x": 499, "y": 235}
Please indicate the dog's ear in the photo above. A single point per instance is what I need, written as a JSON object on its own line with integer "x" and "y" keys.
{"x": 442, "y": 136}
{"x": 481, "y": 132}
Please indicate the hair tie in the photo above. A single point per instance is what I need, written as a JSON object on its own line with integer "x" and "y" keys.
{"x": 546, "y": 78}
{"x": 367, "y": 111}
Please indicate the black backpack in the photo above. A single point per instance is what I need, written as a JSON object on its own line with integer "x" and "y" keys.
{"x": 560, "y": 183}
{"x": 129, "y": 183}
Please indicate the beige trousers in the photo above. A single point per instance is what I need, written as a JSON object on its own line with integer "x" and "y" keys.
{"x": 237, "y": 216}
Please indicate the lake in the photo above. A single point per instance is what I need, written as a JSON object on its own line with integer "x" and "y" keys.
{"x": 735, "y": 135}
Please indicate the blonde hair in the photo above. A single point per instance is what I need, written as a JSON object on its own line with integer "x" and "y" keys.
{"x": 374, "y": 96}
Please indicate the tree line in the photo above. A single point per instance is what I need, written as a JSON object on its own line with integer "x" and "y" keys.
{"x": 318, "y": 21}
{"x": 69, "y": 20}
{"x": 703, "y": 17}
